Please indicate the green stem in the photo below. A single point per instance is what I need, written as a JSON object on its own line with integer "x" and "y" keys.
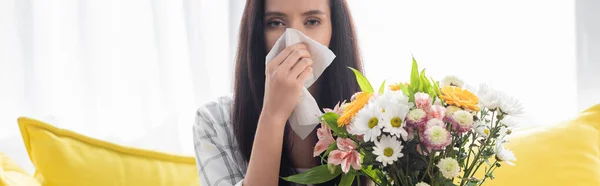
{"x": 489, "y": 171}
{"x": 402, "y": 178}
{"x": 469, "y": 170}
{"x": 429, "y": 166}
{"x": 407, "y": 162}
{"x": 477, "y": 168}
{"x": 395, "y": 177}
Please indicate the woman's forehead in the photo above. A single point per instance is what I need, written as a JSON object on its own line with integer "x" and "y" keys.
{"x": 297, "y": 6}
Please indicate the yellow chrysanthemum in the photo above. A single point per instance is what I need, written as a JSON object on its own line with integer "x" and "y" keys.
{"x": 353, "y": 107}
{"x": 460, "y": 97}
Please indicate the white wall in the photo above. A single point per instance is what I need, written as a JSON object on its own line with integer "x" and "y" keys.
{"x": 588, "y": 52}
{"x": 526, "y": 48}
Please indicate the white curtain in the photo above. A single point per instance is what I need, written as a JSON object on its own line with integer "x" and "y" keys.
{"x": 130, "y": 72}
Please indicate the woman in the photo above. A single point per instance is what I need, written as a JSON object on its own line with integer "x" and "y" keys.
{"x": 245, "y": 139}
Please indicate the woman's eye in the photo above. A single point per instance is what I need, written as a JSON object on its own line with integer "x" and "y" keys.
{"x": 275, "y": 24}
{"x": 313, "y": 22}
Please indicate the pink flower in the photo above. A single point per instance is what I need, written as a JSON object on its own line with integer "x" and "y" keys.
{"x": 416, "y": 118}
{"x": 462, "y": 121}
{"x": 436, "y": 137}
{"x": 325, "y": 139}
{"x": 437, "y": 111}
{"x": 346, "y": 155}
{"x": 337, "y": 109}
{"x": 422, "y": 100}
{"x": 435, "y": 122}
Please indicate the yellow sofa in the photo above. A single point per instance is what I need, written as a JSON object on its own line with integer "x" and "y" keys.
{"x": 566, "y": 154}
{"x": 65, "y": 158}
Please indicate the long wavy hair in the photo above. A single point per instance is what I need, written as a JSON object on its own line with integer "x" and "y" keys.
{"x": 337, "y": 82}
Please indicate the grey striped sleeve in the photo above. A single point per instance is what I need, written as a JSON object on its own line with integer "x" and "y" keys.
{"x": 216, "y": 152}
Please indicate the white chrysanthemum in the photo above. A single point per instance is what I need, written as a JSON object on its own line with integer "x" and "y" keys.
{"x": 488, "y": 97}
{"x": 422, "y": 184}
{"x": 393, "y": 119}
{"x": 388, "y": 150}
{"x": 510, "y": 105}
{"x": 505, "y": 155}
{"x": 390, "y": 98}
{"x": 452, "y": 81}
{"x": 393, "y": 97}
{"x": 368, "y": 122}
{"x": 449, "y": 168}
{"x": 482, "y": 129}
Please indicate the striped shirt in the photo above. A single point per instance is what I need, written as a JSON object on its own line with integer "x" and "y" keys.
{"x": 218, "y": 158}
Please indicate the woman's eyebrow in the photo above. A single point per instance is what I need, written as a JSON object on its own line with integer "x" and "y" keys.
{"x": 307, "y": 13}
{"x": 274, "y": 13}
{"x": 313, "y": 12}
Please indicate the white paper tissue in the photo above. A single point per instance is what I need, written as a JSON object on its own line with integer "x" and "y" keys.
{"x": 304, "y": 118}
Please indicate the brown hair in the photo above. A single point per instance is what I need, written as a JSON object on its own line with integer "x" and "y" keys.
{"x": 337, "y": 83}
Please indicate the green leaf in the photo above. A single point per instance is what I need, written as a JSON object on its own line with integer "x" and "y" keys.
{"x": 331, "y": 119}
{"x": 371, "y": 173}
{"x": 436, "y": 88}
{"x": 364, "y": 84}
{"x": 331, "y": 147}
{"x": 347, "y": 179}
{"x": 382, "y": 87}
{"x": 404, "y": 90}
{"x": 316, "y": 175}
{"x": 433, "y": 86}
{"x": 424, "y": 82}
{"x": 414, "y": 75}
{"x": 441, "y": 181}
{"x": 472, "y": 183}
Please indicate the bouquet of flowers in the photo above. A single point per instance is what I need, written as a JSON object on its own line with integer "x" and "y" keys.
{"x": 417, "y": 133}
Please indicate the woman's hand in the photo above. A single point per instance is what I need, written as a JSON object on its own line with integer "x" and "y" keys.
{"x": 286, "y": 74}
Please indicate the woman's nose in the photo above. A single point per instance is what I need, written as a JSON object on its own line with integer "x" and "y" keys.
{"x": 298, "y": 26}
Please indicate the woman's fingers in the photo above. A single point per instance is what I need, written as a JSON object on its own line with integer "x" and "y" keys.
{"x": 300, "y": 66}
{"x": 283, "y": 55}
{"x": 306, "y": 73}
{"x": 294, "y": 58}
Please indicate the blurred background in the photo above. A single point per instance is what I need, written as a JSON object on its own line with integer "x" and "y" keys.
{"x": 133, "y": 72}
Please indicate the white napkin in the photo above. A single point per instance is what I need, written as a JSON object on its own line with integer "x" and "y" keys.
{"x": 305, "y": 116}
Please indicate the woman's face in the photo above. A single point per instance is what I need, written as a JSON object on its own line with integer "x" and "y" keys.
{"x": 311, "y": 17}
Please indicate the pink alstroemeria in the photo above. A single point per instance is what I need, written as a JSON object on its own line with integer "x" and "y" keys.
{"x": 422, "y": 100}
{"x": 325, "y": 139}
{"x": 346, "y": 155}
{"x": 337, "y": 109}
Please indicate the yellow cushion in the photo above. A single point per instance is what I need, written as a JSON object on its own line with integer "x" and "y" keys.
{"x": 590, "y": 117}
{"x": 65, "y": 158}
{"x": 13, "y": 175}
{"x": 566, "y": 154}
